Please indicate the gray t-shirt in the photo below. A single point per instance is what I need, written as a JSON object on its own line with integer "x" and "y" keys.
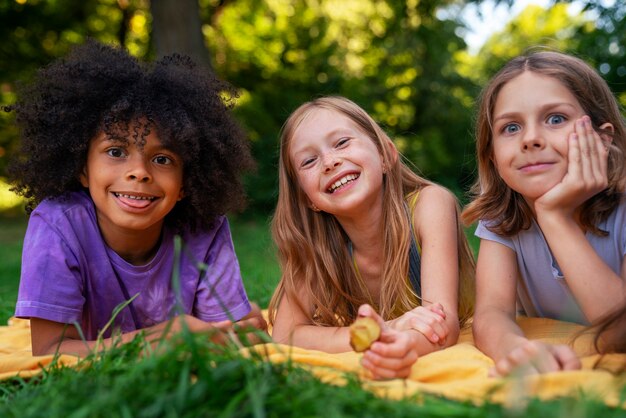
{"x": 542, "y": 290}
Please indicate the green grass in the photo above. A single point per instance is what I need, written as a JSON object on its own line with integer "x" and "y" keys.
{"x": 13, "y": 228}
{"x": 257, "y": 258}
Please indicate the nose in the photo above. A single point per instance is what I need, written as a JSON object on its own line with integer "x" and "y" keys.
{"x": 331, "y": 161}
{"x": 532, "y": 138}
{"x": 138, "y": 171}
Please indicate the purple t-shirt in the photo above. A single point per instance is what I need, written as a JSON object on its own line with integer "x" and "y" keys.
{"x": 70, "y": 275}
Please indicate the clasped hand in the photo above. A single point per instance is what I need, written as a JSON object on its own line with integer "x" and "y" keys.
{"x": 396, "y": 350}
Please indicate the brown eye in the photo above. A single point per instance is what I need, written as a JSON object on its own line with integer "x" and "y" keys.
{"x": 115, "y": 152}
{"x": 162, "y": 160}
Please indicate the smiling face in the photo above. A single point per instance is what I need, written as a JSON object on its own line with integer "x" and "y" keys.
{"x": 337, "y": 165}
{"x": 132, "y": 187}
{"x": 533, "y": 117}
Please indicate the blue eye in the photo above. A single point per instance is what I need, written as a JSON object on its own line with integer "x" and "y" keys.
{"x": 556, "y": 119}
{"x": 511, "y": 128}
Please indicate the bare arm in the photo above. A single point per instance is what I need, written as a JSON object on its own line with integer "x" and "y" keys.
{"x": 495, "y": 331}
{"x": 292, "y": 326}
{"x": 435, "y": 219}
{"x": 49, "y": 337}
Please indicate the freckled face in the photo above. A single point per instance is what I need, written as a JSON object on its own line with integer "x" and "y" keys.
{"x": 132, "y": 188}
{"x": 338, "y": 167}
{"x": 532, "y": 119}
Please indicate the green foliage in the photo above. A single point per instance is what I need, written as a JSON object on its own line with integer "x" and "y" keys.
{"x": 395, "y": 58}
{"x": 35, "y": 32}
{"x": 603, "y": 42}
{"x": 535, "y": 27}
{"x": 401, "y": 60}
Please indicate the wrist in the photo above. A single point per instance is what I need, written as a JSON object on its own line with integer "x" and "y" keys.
{"x": 554, "y": 218}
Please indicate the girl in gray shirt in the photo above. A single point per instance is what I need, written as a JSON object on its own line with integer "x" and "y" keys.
{"x": 549, "y": 197}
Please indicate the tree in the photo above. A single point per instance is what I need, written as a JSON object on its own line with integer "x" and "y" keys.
{"x": 176, "y": 27}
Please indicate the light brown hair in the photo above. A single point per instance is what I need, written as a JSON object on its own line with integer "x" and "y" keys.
{"x": 313, "y": 250}
{"x": 506, "y": 209}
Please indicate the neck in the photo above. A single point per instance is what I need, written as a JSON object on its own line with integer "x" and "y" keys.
{"x": 136, "y": 247}
{"x": 366, "y": 235}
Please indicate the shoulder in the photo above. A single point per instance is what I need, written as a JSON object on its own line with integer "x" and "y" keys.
{"x": 68, "y": 205}
{"x": 64, "y": 224}
{"x": 435, "y": 210}
{"x": 434, "y": 198}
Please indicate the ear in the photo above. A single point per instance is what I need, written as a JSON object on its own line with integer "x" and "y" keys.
{"x": 606, "y": 132}
{"x": 181, "y": 194}
{"x": 83, "y": 178}
{"x": 393, "y": 151}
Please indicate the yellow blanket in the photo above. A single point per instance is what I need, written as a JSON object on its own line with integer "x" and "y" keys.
{"x": 461, "y": 372}
{"x": 458, "y": 372}
{"x": 16, "y": 358}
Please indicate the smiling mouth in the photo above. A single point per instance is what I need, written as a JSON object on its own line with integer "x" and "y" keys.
{"x": 134, "y": 197}
{"x": 342, "y": 182}
{"x": 536, "y": 167}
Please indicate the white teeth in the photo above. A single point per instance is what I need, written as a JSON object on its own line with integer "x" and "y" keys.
{"x": 342, "y": 181}
{"x": 128, "y": 196}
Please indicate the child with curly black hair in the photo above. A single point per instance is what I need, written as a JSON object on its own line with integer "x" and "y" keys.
{"x": 117, "y": 158}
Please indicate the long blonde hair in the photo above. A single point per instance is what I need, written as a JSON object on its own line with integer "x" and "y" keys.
{"x": 505, "y": 208}
{"x": 312, "y": 246}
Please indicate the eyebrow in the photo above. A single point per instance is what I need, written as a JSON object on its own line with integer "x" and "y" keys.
{"x": 543, "y": 108}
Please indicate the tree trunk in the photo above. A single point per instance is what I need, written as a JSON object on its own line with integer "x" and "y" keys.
{"x": 176, "y": 27}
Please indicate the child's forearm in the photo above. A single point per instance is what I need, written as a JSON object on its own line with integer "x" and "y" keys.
{"x": 496, "y": 334}
{"x": 596, "y": 287}
{"x": 315, "y": 337}
{"x": 78, "y": 347}
{"x": 50, "y": 337}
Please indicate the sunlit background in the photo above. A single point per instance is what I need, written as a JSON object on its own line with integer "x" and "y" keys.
{"x": 415, "y": 65}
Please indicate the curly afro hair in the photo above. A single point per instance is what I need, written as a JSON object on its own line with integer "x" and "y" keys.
{"x": 102, "y": 88}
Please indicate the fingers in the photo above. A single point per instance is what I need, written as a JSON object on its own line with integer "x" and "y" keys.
{"x": 588, "y": 156}
{"x": 536, "y": 357}
{"x": 434, "y": 329}
{"x": 392, "y": 356}
{"x": 367, "y": 310}
{"x": 437, "y": 308}
{"x": 430, "y": 321}
{"x": 566, "y": 357}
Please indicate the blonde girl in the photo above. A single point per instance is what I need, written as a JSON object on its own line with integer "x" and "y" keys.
{"x": 549, "y": 197}
{"x": 347, "y": 213}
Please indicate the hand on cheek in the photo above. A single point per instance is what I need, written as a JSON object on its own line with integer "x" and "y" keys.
{"x": 586, "y": 171}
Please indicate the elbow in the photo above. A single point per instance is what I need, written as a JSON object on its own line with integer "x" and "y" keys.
{"x": 282, "y": 334}
{"x": 42, "y": 349}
